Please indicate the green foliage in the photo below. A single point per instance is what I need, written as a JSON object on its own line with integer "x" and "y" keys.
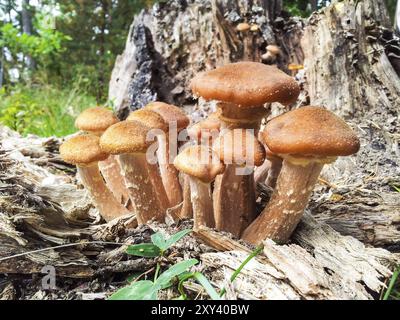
{"x": 147, "y": 290}
{"x": 391, "y": 292}
{"x": 148, "y": 250}
{"x": 42, "y": 109}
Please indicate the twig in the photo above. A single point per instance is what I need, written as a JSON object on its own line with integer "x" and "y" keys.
{"x": 58, "y": 247}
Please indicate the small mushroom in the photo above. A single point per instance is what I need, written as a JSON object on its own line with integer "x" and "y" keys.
{"x": 205, "y": 131}
{"x": 269, "y": 171}
{"x": 306, "y": 139}
{"x": 234, "y": 194}
{"x": 243, "y": 27}
{"x": 84, "y": 152}
{"x": 128, "y": 139}
{"x": 177, "y": 121}
{"x": 153, "y": 120}
{"x": 272, "y": 54}
{"x": 95, "y": 121}
{"x": 201, "y": 165}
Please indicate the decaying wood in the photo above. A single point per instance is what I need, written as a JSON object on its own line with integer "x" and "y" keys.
{"x": 321, "y": 264}
{"x": 353, "y": 210}
{"x": 348, "y": 69}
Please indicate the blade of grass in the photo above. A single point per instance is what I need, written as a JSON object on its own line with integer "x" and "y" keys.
{"x": 391, "y": 284}
{"x": 254, "y": 253}
{"x": 207, "y": 286}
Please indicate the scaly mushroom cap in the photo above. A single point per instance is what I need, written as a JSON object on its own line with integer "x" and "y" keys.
{"x": 82, "y": 150}
{"x": 125, "y": 137}
{"x": 170, "y": 113}
{"x": 239, "y": 146}
{"x": 200, "y": 162}
{"x": 95, "y": 119}
{"x": 149, "y": 118}
{"x": 310, "y": 131}
{"x": 247, "y": 84}
{"x": 243, "y": 26}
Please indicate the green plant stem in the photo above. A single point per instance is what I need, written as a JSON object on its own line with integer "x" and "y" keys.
{"x": 391, "y": 284}
{"x": 254, "y": 253}
{"x": 157, "y": 272}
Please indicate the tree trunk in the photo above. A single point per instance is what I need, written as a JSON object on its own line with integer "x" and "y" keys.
{"x": 27, "y": 28}
{"x": 397, "y": 17}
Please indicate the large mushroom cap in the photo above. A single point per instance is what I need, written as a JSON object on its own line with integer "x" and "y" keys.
{"x": 95, "y": 119}
{"x": 247, "y": 84}
{"x": 170, "y": 113}
{"x": 310, "y": 131}
{"x": 149, "y": 118}
{"x": 125, "y": 137}
{"x": 82, "y": 150}
{"x": 239, "y": 146}
{"x": 200, "y": 162}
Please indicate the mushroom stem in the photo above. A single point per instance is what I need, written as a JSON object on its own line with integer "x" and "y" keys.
{"x": 273, "y": 172}
{"x": 169, "y": 174}
{"x": 234, "y": 200}
{"x": 202, "y": 203}
{"x": 109, "y": 208}
{"x": 186, "y": 211}
{"x": 111, "y": 171}
{"x": 261, "y": 172}
{"x": 141, "y": 190}
{"x": 285, "y": 209}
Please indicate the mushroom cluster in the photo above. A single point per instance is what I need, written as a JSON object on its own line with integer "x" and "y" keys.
{"x": 156, "y": 160}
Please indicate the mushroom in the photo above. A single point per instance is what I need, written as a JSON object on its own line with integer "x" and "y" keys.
{"x": 269, "y": 171}
{"x": 241, "y": 90}
{"x": 243, "y": 27}
{"x": 272, "y": 54}
{"x": 177, "y": 121}
{"x": 234, "y": 194}
{"x": 203, "y": 132}
{"x": 306, "y": 139}
{"x": 96, "y": 120}
{"x": 155, "y": 122}
{"x": 201, "y": 165}
{"x": 84, "y": 152}
{"x": 128, "y": 139}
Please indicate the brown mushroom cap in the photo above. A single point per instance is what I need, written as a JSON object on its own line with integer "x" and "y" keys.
{"x": 211, "y": 123}
{"x": 239, "y": 146}
{"x": 125, "y": 137}
{"x": 275, "y": 50}
{"x": 170, "y": 113}
{"x": 310, "y": 131}
{"x": 95, "y": 119}
{"x": 149, "y": 118}
{"x": 82, "y": 150}
{"x": 243, "y": 26}
{"x": 247, "y": 84}
{"x": 200, "y": 162}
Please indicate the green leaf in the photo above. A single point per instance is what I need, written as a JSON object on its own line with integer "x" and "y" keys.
{"x": 165, "y": 279}
{"x": 158, "y": 240}
{"x": 148, "y": 250}
{"x": 136, "y": 291}
{"x": 164, "y": 244}
{"x": 176, "y": 237}
{"x": 207, "y": 286}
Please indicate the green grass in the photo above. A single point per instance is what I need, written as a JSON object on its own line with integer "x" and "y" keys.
{"x": 43, "y": 110}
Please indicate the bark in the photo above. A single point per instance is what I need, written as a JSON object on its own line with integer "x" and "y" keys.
{"x": 27, "y": 28}
{"x": 42, "y": 204}
{"x": 170, "y": 43}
